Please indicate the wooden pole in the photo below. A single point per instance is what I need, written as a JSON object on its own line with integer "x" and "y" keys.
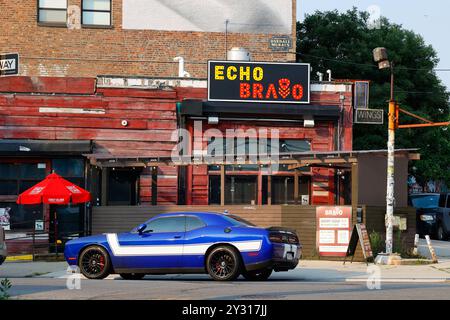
{"x": 222, "y": 185}
{"x": 296, "y": 188}
{"x": 355, "y": 185}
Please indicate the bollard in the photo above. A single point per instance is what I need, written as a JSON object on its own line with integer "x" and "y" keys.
{"x": 416, "y": 243}
{"x": 430, "y": 247}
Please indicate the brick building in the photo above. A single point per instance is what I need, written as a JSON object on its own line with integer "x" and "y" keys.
{"x": 98, "y": 83}
{"x": 65, "y": 38}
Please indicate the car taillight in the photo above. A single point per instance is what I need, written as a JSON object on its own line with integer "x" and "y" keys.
{"x": 276, "y": 237}
{"x": 293, "y": 239}
{"x": 283, "y": 238}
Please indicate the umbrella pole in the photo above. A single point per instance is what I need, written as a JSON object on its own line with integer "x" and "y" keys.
{"x": 55, "y": 227}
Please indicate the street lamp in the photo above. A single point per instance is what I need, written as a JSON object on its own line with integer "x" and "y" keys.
{"x": 380, "y": 56}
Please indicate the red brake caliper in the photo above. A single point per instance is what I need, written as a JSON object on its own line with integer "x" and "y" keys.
{"x": 102, "y": 262}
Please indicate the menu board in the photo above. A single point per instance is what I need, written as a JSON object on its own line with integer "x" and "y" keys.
{"x": 333, "y": 230}
{"x": 360, "y": 233}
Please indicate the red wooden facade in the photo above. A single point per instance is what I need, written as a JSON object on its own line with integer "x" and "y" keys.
{"x": 76, "y": 109}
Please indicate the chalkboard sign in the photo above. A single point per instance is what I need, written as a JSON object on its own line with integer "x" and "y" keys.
{"x": 359, "y": 233}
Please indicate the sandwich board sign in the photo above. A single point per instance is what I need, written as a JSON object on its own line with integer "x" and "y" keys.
{"x": 9, "y": 64}
{"x": 360, "y": 234}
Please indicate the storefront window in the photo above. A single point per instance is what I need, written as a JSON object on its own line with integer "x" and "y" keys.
{"x": 15, "y": 178}
{"x": 241, "y": 190}
{"x": 19, "y": 217}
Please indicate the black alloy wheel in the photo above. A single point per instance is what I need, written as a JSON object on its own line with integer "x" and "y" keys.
{"x": 257, "y": 275}
{"x": 132, "y": 276}
{"x": 223, "y": 264}
{"x": 94, "y": 263}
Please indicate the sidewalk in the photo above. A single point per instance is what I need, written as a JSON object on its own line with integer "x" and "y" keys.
{"x": 319, "y": 270}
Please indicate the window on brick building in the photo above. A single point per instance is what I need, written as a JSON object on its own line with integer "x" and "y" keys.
{"x": 96, "y": 12}
{"x": 52, "y": 11}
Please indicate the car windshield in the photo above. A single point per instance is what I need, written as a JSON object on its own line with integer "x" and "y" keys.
{"x": 425, "y": 201}
{"x": 238, "y": 221}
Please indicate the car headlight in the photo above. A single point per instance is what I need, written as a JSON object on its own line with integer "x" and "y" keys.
{"x": 426, "y": 217}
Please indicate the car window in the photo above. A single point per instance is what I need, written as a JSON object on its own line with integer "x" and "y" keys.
{"x": 193, "y": 223}
{"x": 442, "y": 200}
{"x": 237, "y": 221}
{"x": 425, "y": 201}
{"x": 166, "y": 224}
{"x": 448, "y": 201}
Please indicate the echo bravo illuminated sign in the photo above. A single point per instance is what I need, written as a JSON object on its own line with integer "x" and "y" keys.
{"x": 268, "y": 82}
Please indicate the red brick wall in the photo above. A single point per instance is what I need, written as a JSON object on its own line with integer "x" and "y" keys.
{"x": 59, "y": 51}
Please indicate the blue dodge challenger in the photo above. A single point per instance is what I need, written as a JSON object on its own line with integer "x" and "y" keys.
{"x": 220, "y": 244}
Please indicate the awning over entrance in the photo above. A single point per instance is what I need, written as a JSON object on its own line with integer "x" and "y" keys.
{"x": 200, "y": 107}
{"x": 331, "y": 159}
{"x": 14, "y": 147}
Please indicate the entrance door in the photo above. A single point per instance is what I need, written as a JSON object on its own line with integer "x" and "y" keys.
{"x": 122, "y": 187}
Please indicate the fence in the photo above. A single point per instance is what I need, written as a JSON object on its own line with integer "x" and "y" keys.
{"x": 302, "y": 218}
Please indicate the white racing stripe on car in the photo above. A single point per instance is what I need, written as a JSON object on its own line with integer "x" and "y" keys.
{"x": 169, "y": 250}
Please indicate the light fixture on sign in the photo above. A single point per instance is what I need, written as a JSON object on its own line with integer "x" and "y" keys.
{"x": 213, "y": 120}
{"x": 24, "y": 149}
{"x": 308, "y": 123}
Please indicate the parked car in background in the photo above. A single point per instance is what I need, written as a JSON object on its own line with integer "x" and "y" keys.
{"x": 433, "y": 214}
{"x": 221, "y": 245}
{"x": 3, "y": 252}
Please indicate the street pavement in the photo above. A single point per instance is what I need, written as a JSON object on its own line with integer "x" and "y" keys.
{"x": 312, "y": 279}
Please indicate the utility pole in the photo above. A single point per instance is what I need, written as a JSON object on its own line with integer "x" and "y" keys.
{"x": 380, "y": 56}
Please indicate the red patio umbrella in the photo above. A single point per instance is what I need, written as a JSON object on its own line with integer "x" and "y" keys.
{"x": 54, "y": 190}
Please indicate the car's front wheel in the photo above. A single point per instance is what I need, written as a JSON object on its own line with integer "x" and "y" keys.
{"x": 94, "y": 263}
{"x": 223, "y": 263}
{"x": 257, "y": 275}
{"x": 132, "y": 276}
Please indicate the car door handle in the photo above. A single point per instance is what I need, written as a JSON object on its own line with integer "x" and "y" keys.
{"x": 177, "y": 237}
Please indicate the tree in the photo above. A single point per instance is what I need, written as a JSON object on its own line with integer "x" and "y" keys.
{"x": 343, "y": 42}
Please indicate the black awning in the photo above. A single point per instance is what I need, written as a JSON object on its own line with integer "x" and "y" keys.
{"x": 202, "y": 108}
{"x": 13, "y": 147}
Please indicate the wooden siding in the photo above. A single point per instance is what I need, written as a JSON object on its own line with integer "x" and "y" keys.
{"x": 301, "y": 218}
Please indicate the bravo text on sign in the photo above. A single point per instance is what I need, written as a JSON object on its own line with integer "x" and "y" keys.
{"x": 258, "y": 82}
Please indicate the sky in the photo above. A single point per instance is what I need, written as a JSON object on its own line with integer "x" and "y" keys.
{"x": 428, "y": 18}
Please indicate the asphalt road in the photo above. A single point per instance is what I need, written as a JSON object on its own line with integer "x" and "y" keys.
{"x": 280, "y": 286}
{"x": 312, "y": 280}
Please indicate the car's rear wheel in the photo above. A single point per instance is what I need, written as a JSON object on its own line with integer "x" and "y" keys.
{"x": 132, "y": 276}
{"x": 440, "y": 234}
{"x": 94, "y": 263}
{"x": 223, "y": 263}
{"x": 257, "y": 275}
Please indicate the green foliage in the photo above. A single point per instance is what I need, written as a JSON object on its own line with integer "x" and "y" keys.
{"x": 376, "y": 242}
{"x": 5, "y": 285}
{"x": 324, "y": 37}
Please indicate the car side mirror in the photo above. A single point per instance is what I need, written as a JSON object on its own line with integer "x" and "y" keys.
{"x": 141, "y": 228}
